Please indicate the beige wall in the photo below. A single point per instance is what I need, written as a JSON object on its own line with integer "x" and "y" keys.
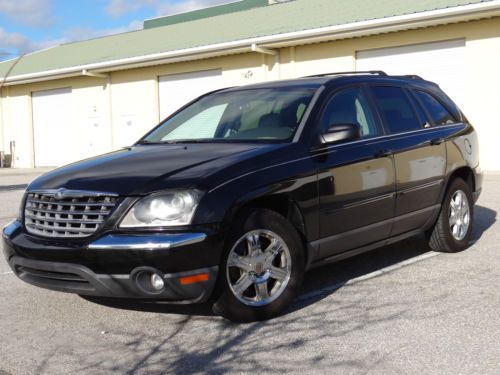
{"x": 89, "y": 99}
{"x": 131, "y": 96}
{"x": 135, "y": 92}
{"x": 482, "y": 70}
{"x": 126, "y": 96}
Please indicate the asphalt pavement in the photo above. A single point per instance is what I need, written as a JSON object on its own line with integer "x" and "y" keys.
{"x": 401, "y": 309}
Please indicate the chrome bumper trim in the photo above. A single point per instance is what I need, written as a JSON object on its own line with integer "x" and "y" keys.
{"x": 146, "y": 242}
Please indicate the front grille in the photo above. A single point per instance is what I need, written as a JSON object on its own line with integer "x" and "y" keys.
{"x": 66, "y": 213}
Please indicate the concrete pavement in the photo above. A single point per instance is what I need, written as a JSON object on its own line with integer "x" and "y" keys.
{"x": 399, "y": 309}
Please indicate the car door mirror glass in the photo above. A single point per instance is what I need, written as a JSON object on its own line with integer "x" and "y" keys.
{"x": 341, "y": 132}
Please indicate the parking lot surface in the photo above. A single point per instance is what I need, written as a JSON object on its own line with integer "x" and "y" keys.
{"x": 399, "y": 309}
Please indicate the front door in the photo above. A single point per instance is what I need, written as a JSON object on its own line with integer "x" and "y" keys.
{"x": 356, "y": 179}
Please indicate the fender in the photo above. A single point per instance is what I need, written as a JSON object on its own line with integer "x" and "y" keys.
{"x": 462, "y": 152}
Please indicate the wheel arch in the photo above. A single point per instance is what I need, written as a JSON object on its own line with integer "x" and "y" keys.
{"x": 465, "y": 173}
{"x": 280, "y": 203}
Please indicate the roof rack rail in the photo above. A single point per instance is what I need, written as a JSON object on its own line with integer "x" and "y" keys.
{"x": 413, "y": 76}
{"x": 377, "y": 72}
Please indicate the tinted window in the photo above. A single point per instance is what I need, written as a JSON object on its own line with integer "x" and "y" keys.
{"x": 259, "y": 114}
{"x": 422, "y": 117}
{"x": 349, "y": 106}
{"x": 396, "y": 109}
{"x": 439, "y": 114}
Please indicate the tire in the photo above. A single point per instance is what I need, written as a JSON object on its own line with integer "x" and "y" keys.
{"x": 446, "y": 236}
{"x": 273, "y": 277}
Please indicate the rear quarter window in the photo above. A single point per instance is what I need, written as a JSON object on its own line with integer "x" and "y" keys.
{"x": 438, "y": 113}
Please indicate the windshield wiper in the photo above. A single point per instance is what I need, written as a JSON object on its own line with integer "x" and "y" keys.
{"x": 176, "y": 141}
{"x": 146, "y": 142}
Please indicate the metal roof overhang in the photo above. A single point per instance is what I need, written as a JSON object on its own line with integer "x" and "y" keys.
{"x": 265, "y": 43}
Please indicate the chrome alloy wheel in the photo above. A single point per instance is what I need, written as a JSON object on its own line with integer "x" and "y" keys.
{"x": 459, "y": 218}
{"x": 259, "y": 267}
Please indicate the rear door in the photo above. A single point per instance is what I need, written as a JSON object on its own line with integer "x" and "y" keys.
{"x": 356, "y": 178}
{"x": 419, "y": 155}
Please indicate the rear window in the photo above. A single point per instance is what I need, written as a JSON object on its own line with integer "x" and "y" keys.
{"x": 397, "y": 112}
{"x": 438, "y": 113}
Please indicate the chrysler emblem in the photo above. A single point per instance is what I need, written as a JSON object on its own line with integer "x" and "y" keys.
{"x": 60, "y": 193}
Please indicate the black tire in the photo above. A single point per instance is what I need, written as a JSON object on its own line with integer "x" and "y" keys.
{"x": 227, "y": 304}
{"x": 440, "y": 236}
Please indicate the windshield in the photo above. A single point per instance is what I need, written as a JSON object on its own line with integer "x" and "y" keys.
{"x": 248, "y": 115}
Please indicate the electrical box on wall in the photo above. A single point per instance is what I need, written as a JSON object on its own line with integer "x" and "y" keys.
{"x": 5, "y": 160}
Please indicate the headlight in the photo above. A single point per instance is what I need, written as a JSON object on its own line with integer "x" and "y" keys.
{"x": 171, "y": 208}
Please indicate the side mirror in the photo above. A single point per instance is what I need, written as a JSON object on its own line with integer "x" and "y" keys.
{"x": 341, "y": 132}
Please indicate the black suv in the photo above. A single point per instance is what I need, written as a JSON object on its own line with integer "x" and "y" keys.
{"x": 232, "y": 198}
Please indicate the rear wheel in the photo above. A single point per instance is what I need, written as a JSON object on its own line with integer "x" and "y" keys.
{"x": 453, "y": 228}
{"x": 262, "y": 269}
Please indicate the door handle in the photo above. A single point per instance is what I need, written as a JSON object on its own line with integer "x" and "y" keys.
{"x": 383, "y": 153}
{"x": 437, "y": 141}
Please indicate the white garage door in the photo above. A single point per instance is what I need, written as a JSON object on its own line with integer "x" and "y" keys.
{"x": 179, "y": 89}
{"x": 53, "y": 136}
{"x": 440, "y": 62}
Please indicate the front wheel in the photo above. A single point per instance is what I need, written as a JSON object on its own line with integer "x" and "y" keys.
{"x": 262, "y": 269}
{"x": 453, "y": 228}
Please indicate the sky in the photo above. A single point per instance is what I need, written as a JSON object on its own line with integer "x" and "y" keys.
{"x": 30, "y": 25}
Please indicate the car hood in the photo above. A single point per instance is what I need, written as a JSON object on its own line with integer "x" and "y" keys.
{"x": 143, "y": 169}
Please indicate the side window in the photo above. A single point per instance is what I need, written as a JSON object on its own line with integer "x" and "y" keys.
{"x": 396, "y": 109}
{"x": 349, "y": 106}
{"x": 439, "y": 114}
{"x": 422, "y": 117}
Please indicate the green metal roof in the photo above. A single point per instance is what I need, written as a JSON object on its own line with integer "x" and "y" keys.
{"x": 205, "y": 13}
{"x": 256, "y": 22}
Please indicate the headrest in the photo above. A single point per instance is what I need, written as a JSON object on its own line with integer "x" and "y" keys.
{"x": 343, "y": 117}
{"x": 273, "y": 120}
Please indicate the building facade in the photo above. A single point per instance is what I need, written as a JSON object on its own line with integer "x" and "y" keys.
{"x": 83, "y": 99}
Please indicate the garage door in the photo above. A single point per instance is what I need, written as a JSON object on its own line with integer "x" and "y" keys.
{"x": 441, "y": 62}
{"x": 177, "y": 90}
{"x": 52, "y": 132}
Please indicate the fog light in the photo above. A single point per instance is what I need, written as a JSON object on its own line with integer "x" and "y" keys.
{"x": 157, "y": 282}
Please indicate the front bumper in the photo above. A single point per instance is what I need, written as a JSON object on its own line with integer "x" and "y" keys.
{"x": 118, "y": 265}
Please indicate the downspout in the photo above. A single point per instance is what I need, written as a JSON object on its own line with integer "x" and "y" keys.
{"x": 277, "y": 62}
{"x": 268, "y": 51}
{"x": 110, "y": 109}
{"x": 292, "y": 61}
{"x": 107, "y": 88}
{"x": 87, "y": 73}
